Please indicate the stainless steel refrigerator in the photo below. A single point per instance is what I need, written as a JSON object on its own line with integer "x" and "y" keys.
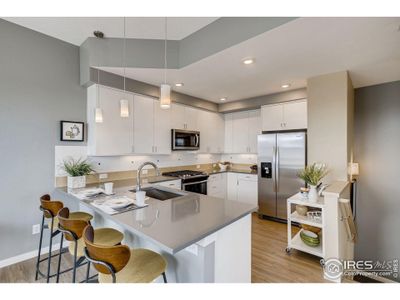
{"x": 280, "y": 157}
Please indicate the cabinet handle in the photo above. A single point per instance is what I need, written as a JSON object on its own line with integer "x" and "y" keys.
{"x": 155, "y": 149}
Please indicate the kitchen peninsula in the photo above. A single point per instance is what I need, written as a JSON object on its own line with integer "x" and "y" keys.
{"x": 203, "y": 238}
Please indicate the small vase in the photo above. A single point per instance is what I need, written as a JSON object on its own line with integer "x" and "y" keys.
{"x": 76, "y": 182}
{"x": 312, "y": 194}
{"x": 301, "y": 210}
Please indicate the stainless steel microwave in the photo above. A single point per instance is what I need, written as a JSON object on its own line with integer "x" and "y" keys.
{"x": 185, "y": 139}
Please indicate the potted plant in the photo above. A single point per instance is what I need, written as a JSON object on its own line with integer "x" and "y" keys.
{"x": 77, "y": 171}
{"x": 313, "y": 175}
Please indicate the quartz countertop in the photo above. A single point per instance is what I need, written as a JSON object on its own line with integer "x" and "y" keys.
{"x": 176, "y": 223}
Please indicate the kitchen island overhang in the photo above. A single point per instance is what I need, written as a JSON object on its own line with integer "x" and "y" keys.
{"x": 204, "y": 239}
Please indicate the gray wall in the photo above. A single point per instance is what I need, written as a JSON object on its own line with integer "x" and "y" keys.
{"x": 39, "y": 86}
{"x": 377, "y": 144}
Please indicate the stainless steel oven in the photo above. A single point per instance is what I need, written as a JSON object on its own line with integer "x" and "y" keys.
{"x": 185, "y": 139}
{"x": 195, "y": 186}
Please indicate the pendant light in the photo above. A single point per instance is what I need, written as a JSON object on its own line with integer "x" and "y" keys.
{"x": 165, "y": 89}
{"x": 123, "y": 103}
{"x": 98, "y": 113}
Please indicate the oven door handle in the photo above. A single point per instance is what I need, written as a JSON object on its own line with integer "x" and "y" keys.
{"x": 192, "y": 183}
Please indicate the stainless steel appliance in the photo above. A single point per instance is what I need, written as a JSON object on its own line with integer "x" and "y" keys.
{"x": 185, "y": 139}
{"x": 281, "y": 156}
{"x": 192, "y": 181}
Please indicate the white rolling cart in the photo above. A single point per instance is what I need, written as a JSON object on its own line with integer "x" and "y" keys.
{"x": 295, "y": 242}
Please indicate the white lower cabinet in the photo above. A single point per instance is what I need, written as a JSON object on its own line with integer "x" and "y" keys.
{"x": 173, "y": 184}
{"x": 216, "y": 186}
{"x": 242, "y": 188}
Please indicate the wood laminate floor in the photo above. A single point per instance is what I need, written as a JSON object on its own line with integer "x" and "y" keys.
{"x": 270, "y": 263}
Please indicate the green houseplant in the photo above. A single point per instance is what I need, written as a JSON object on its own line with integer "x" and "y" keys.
{"x": 312, "y": 175}
{"x": 77, "y": 169}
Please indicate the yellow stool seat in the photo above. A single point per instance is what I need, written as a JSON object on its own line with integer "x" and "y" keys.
{"x": 76, "y": 215}
{"x": 102, "y": 237}
{"x": 143, "y": 266}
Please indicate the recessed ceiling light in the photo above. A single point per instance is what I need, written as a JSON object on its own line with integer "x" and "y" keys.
{"x": 179, "y": 84}
{"x": 223, "y": 99}
{"x": 248, "y": 61}
{"x": 285, "y": 86}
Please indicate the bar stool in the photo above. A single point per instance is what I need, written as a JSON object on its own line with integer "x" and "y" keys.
{"x": 119, "y": 264}
{"x": 50, "y": 209}
{"x": 72, "y": 230}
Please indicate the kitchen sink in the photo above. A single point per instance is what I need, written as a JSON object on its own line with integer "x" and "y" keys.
{"x": 158, "y": 194}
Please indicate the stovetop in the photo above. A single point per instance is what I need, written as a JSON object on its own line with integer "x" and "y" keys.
{"x": 184, "y": 174}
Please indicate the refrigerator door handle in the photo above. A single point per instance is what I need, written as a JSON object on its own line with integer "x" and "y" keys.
{"x": 277, "y": 169}
{"x": 274, "y": 168}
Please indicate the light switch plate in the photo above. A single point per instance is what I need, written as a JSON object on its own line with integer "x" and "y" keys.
{"x": 198, "y": 166}
{"x": 103, "y": 176}
{"x": 144, "y": 172}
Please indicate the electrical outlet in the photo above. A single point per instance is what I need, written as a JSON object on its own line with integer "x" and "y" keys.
{"x": 198, "y": 166}
{"x": 36, "y": 229}
{"x": 144, "y": 172}
{"x": 103, "y": 176}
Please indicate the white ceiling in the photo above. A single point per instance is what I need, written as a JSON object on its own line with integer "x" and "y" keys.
{"x": 368, "y": 47}
{"x": 76, "y": 30}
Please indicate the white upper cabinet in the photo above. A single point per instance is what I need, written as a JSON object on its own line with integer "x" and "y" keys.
{"x": 284, "y": 116}
{"x": 295, "y": 115}
{"x": 254, "y": 129}
{"x": 211, "y": 127}
{"x": 228, "y": 142}
{"x": 143, "y": 125}
{"x": 152, "y": 127}
{"x": 272, "y": 117}
{"x": 162, "y": 129}
{"x": 184, "y": 117}
{"x": 241, "y": 130}
{"x": 114, "y": 136}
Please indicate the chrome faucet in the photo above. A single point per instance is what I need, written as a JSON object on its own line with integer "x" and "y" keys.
{"x": 139, "y": 171}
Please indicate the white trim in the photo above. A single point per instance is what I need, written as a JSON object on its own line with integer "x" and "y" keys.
{"x": 28, "y": 255}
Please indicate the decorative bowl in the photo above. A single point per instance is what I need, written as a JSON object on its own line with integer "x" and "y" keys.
{"x": 309, "y": 238}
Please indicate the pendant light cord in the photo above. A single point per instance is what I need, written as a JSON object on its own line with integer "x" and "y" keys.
{"x": 124, "y": 53}
{"x": 98, "y": 88}
{"x": 165, "y": 51}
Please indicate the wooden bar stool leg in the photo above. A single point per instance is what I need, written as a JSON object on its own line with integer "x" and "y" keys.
{"x": 59, "y": 257}
{"x": 50, "y": 248}
{"x": 40, "y": 249}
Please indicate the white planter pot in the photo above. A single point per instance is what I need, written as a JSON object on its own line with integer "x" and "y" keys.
{"x": 313, "y": 194}
{"x": 76, "y": 182}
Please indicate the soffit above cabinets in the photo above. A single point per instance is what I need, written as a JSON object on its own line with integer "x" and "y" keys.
{"x": 76, "y": 30}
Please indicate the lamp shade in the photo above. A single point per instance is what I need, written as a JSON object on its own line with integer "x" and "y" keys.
{"x": 98, "y": 115}
{"x": 165, "y": 96}
{"x": 353, "y": 169}
{"x": 124, "y": 108}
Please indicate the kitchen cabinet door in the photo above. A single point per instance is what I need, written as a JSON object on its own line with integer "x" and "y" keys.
{"x": 218, "y": 136}
{"x": 205, "y": 126}
{"x": 231, "y": 187}
{"x": 240, "y": 132}
{"x": 247, "y": 191}
{"x": 191, "y": 118}
{"x": 177, "y": 116}
{"x": 143, "y": 125}
{"x": 295, "y": 115}
{"x": 272, "y": 117}
{"x": 114, "y": 136}
{"x": 162, "y": 129}
{"x": 254, "y": 129}
{"x": 228, "y": 135}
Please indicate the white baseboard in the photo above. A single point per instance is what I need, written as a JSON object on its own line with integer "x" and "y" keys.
{"x": 28, "y": 255}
